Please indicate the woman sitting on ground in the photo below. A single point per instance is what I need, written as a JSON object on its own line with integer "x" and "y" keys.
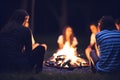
{"x": 13, "y": 38}
{"x": 92, "y": 47}
{"x": 34, "y": 44}
{"x": 67, "y": 40}
{"x": 67, "y": 51}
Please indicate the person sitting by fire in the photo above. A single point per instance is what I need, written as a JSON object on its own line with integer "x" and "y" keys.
{"x": 66, "y": 54}
{"x": 34, "y": 43}
{"x": 92, "y": 47}
{"x": 67, "y": 40}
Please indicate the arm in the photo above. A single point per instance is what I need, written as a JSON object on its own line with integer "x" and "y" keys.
{"x": 92, "y": 41}
{"x": 60, "y": 42}
{"x": 33, "y": 40}
{"x": 75, "y": 42}
{"x": 60, "y": 46}
{"x": 34, "y": 45}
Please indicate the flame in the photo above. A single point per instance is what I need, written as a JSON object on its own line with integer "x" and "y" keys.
{"x": 69, "y": 55}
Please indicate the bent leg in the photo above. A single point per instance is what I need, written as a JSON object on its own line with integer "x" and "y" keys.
{"x": 87, "y": 53}
{"x": 94, "y": 58}
{"x": 38, "y": 57}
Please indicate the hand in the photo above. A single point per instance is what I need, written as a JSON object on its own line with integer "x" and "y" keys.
{"x": 35, "y": 45}
{"x": 88, "y": 49}
{"x": 44, "y": 45}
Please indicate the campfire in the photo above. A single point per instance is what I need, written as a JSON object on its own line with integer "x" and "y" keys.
{"x": 66, "y": 58}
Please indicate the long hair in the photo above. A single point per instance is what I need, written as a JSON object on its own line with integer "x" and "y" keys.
{"x": 107, "y": 23}
{"x": 15, "y": 20}
{"x": 64, "y": 35}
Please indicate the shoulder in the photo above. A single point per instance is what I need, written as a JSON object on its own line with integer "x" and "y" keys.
{"x": 60, "y": 37}
{"x": 93, "y": 34}
{"x": 23, "y": 31}
{"x": 107, "y": 32}
{"x": 74, "y": 38}
{"x": 22, "y": 28}
{"x": 26, "y": 30}
{"x": 101, "y": 33}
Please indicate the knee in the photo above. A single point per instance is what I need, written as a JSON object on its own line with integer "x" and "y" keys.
{"x": 41, "y": 48}
{"x": 44, "y": 45}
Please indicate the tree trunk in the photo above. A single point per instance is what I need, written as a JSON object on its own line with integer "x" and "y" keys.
{"x": 63, "y": 17}
{"x": 32, "y": 15}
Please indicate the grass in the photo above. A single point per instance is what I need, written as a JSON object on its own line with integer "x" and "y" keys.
{"x": 54, "y": 76}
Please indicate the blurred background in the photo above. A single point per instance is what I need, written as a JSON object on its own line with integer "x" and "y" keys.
{"x": 48, "y": 17}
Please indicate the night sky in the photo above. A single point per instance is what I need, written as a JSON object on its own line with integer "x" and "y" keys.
{"x": 47, "y": 13}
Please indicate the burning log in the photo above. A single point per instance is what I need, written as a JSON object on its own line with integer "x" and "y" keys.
{"x": 66, "y": 64}
{"x": 61, "y": 61}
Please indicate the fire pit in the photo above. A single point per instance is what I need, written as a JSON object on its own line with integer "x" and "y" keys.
{"x": 66, "y": 59}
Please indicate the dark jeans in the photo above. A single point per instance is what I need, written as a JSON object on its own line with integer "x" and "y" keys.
{"x": 37, "y": 57}
{"x": 94, "y": 56}
{"x": 94, "y": 59}
{"x": 11, "y": 63}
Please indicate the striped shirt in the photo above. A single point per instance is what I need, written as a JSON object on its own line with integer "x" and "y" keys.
{"x": 109, "y": 47}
